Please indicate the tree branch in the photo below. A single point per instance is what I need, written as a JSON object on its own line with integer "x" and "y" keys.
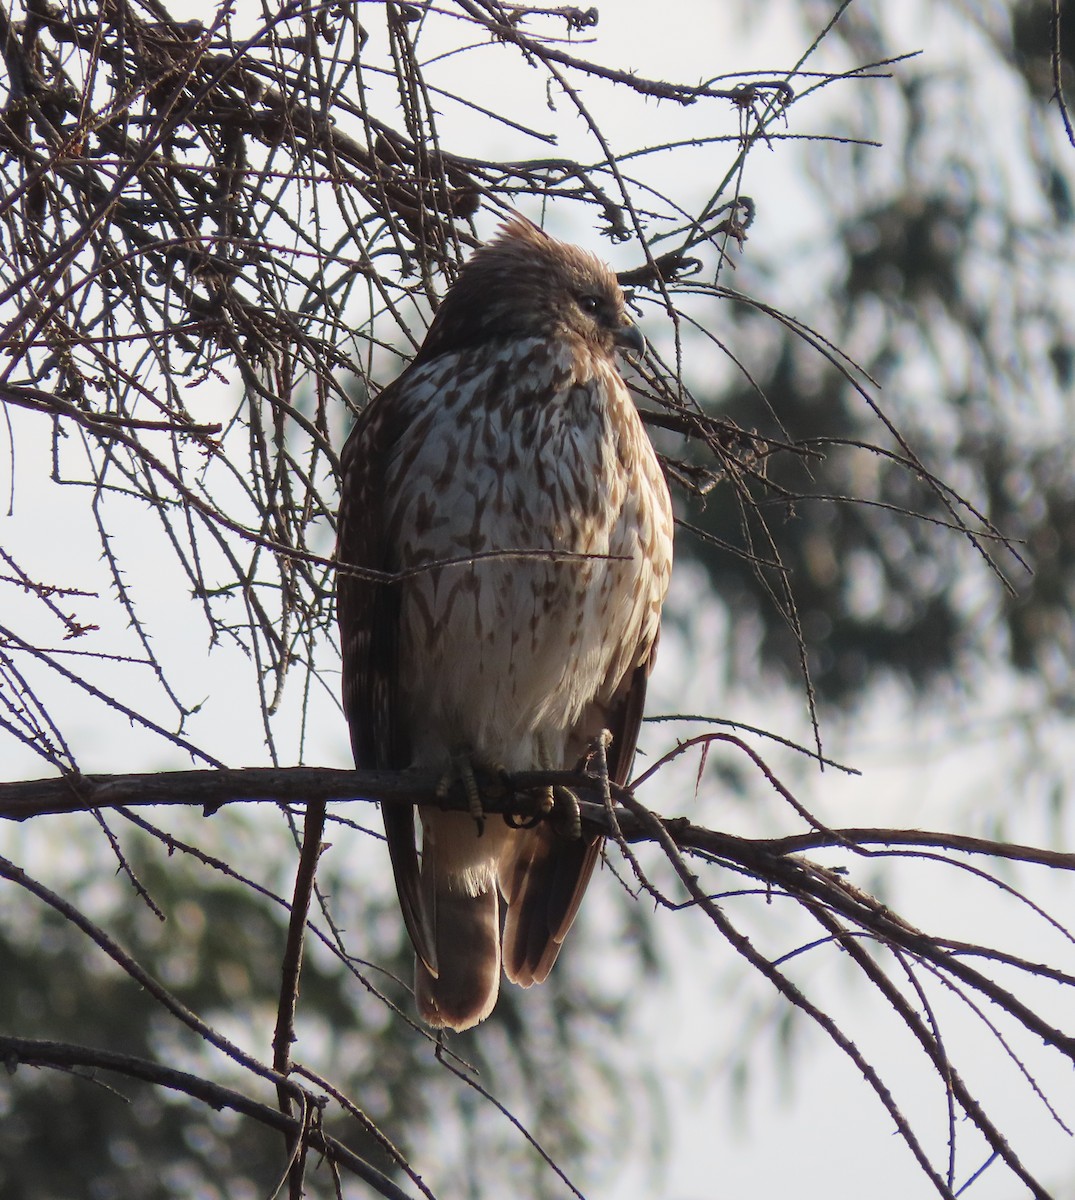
{"x": 846, "y": 911}
{"x": 211, "y": 790}
{"x": 15, "y": 1051}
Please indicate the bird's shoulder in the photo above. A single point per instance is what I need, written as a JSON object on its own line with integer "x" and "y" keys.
{"x": 482, "y": 379}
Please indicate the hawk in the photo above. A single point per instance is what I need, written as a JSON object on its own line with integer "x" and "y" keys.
{"x": 511, "y": 431}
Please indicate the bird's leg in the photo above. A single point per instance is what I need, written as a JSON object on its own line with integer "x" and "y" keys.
{"x": 546, "y": 799}
{"x": 544, "y": 805}
{"x": 558, "y": 803}
{"x": 567, "y": 820}
{"x": 461, "y": 770}
{"x": 566, "y": 816}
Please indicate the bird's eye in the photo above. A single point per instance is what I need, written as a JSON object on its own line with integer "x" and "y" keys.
{"x": 589, "y": 304}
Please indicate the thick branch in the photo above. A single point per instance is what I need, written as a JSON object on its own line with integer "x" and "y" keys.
{"x": 846, "y": 910}
{"x": 211, "y": 790}
{"x": 208, "y": 789}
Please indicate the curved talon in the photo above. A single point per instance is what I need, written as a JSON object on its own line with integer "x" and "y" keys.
{"x": 567, "y": 817}
{"x": 465, "y": 768}
{"x": 522, "y": 821}
{"x": 461, "y": 770}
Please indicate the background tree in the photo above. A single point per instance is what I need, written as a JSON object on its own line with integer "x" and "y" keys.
{"x": 274, "y": 203}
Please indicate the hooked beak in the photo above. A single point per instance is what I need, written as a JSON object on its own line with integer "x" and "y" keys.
{"x": 629, "y": 337}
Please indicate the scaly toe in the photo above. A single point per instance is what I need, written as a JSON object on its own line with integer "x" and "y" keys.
{"x": 566, "y": 817}
{"x": 461, "y": 770}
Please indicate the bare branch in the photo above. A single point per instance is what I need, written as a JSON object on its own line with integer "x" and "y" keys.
{"x": 30, "y": 1052}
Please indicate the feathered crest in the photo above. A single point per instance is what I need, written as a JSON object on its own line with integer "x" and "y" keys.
{"x": 517, "y": 285}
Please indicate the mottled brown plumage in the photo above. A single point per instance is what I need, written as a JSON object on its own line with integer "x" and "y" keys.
{"x": 511, "y": 430}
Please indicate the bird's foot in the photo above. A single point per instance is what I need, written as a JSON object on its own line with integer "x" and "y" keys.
{"x": 565, "y": 815}
{"x": 463, "y": 769}
{"x": 543, "y": 804}
{"x": 554, "y": 803}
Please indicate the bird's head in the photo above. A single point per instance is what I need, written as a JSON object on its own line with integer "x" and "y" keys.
{"x": 525, "y": 284}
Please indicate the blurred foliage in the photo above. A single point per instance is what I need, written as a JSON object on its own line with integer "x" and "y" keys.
{"x": 96, "y": 1135}
{"x": 951, "y": 287}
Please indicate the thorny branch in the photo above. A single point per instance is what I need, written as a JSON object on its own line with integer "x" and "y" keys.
{"x": 28, "y": 1052}
{"x": 182, "y": 207}
{"x": 851, "y": 916}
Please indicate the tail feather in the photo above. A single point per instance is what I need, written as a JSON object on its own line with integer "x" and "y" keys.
{"x": 399, "y": 833}
{"x": 467, "y": 947}
{"x": 461, "y": 909}
{"x": 543, "y": 882}
{"x": 456, "y": 906}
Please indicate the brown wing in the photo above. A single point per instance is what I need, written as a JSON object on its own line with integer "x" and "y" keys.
{"x": 548, "y": 874}
{"x": 624, "y": 718}
{"x": 368, "y": 613}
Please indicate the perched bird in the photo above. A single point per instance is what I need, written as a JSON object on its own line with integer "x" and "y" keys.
{"x": 512, "y": 430}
